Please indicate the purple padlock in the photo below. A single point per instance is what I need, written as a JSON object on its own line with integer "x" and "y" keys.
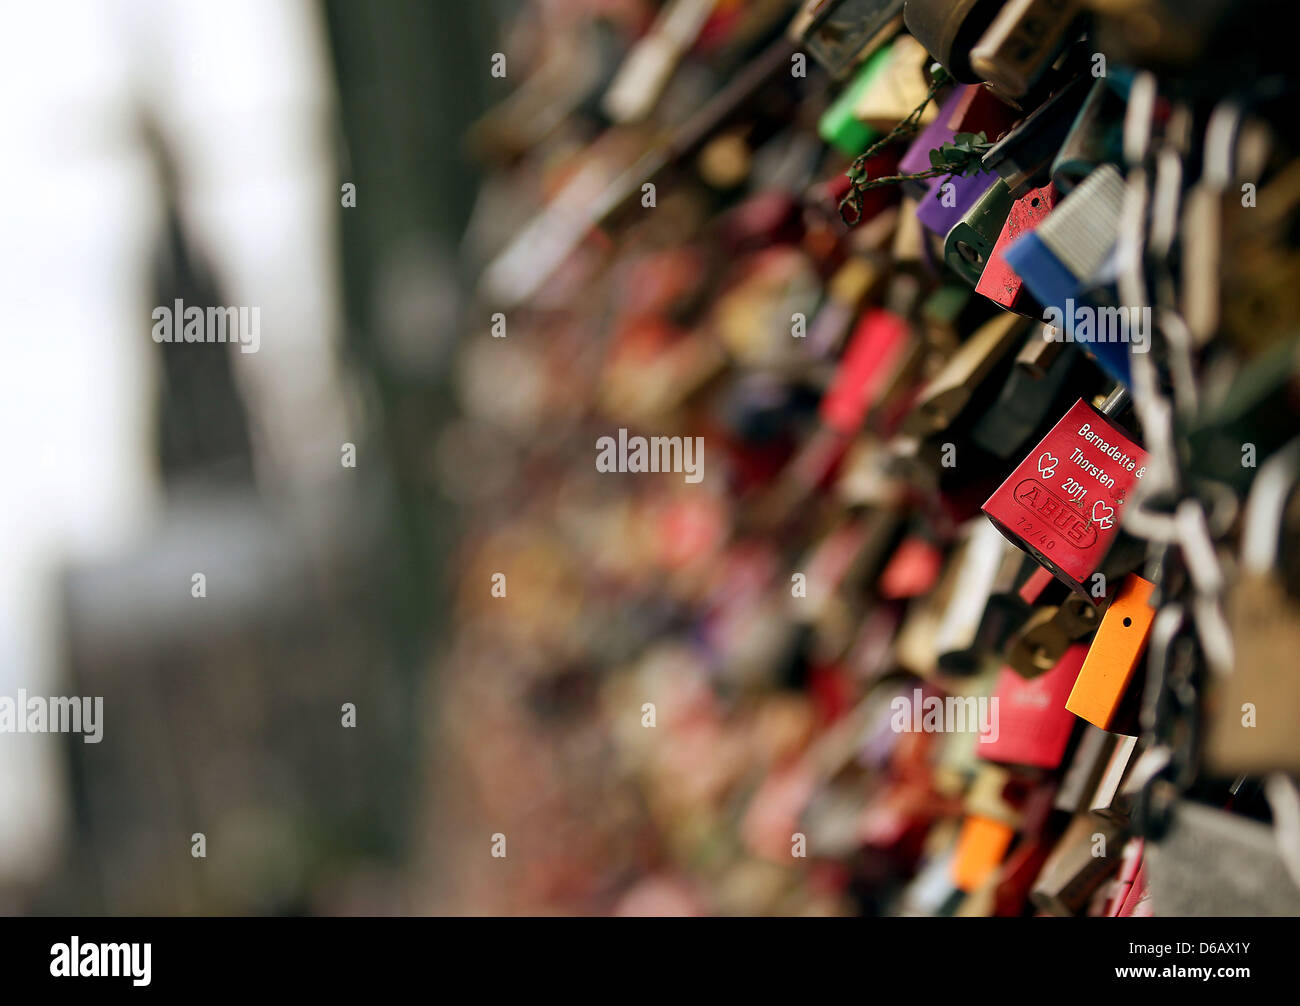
{"x": 933, "y": 136}
{"x": 939, "y": 214}
{"x": 931, "y": 211}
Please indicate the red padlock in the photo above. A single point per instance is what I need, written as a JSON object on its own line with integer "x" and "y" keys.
{"x": 1062, "y": 504}
{"x": 1035, "y": 726}
{"x": 876, "y": 347}
{"x": 999, "y": 282}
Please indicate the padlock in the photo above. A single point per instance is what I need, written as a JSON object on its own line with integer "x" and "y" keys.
{"x": 914, "y": 648}
{"x": 648, "y": 67}
{"x": 1046, "y": 634}
{"x": 949, "y": 29}
{"x": 612, "y": 180}
{"x": 1074, "y": 871}
{"x": 1038, "y": 354}
{"x": 1093, "y": 140}
{"x": 938, "y": 132}
{"x": 1256, "y": 709}
{"x": 952, "y": 390}
{"x": 998, "y": 281}
{"x": 839, "y": 125}
{"x": 1068, "y": 248}
{"x": 1038, "y": 832}
{"x": 912, "y": 570}
{"x": 1099, "y": 693}
{"x": 1059, "y": 259}
{"x": 902, "y": 86}
{"x": 873, "y": 227}
{"x": 1035, "y": 726}
{"x": 1109, "y": 799}
{"x": 840, "y": 33}
{"x": 966, "y": 698}
{"x": 969, "y": 109}
{"x": 1021, "y": 43}
{"x": 1130, "y": 884}
{"x": 988, "y": 829}
{"x": 1210, "y": 862}
{"x": 980, "y": 848}
{"x": 847, "y": 289}
{"x": 1006, "y": 609}
{"x": 1244, "y": 415}
{"x": 950, "y": 199}
{"x": 1062, "y": 503}
{"x": 852, "y": 552}
{"x": 943, "y": 316}
{"x": 875, "y": 350}
{"x": 969, "y": 243}
{"x": 1086, "y": 765}
{"x": 1025, "y": 403}
{"x": 957, "y": 638}
{"x": 1023, "y": 157}
{"x": 1039, "y": 644}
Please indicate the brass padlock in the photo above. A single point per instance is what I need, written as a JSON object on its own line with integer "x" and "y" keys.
{"x": 1256, "y": 709}
{"x": 1042, "y": 641}
{"x": 1087, "y": 764}
{"x": 1110, "y": 800}
{"x": 957, "y": 641}
{"x": 1085, "y": 856}
{"x": 1021, "y": 43}
{"x": 951, "y": 390}
{"x": 840, "y": 33}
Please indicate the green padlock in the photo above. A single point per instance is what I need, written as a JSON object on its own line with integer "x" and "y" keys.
{"x": 839, "y": 126}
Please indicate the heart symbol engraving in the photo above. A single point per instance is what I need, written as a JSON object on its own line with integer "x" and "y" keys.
{"x": 1103, "y": 521}
{"x": 1046, "y": 465}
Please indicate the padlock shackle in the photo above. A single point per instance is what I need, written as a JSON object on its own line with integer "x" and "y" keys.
{"x": 1262, "y": 529}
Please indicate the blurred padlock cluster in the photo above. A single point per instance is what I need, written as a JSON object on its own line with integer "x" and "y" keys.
{"x": 978, "y": 594}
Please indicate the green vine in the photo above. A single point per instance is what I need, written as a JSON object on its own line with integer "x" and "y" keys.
{"x": 962, "y": 156}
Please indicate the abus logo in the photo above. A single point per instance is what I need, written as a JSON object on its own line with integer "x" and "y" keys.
{"x": 1037, "y": 498}
{"x": 102, "y": 960}
{"x": 1099, "y": 324}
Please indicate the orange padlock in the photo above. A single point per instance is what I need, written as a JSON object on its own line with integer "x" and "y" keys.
{"x": 980, "y": 848}
{"x": 1121, "y": 639}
